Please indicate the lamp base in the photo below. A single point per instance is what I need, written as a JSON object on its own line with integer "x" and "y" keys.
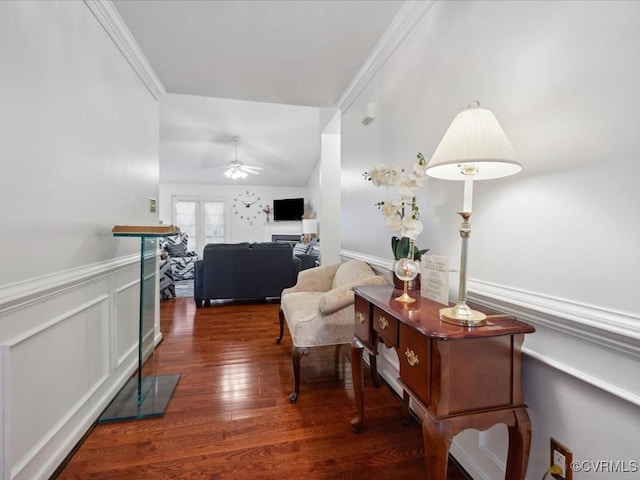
{"x": 405, "y": 298}
{"x": 462, "y": 315}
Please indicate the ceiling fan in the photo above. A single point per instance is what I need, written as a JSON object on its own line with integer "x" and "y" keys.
{"x": 236, "y": 169}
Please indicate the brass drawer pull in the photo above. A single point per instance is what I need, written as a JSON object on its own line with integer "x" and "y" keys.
{"x": 383, "y": 322}
{"x": 412, "y": 358}
{"x": 360, "y": 317}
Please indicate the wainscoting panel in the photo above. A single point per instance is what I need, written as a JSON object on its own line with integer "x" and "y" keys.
{"x": 68, "y": 343}
{"x": 125, "y": 321}
{"x": 55, "y": 365}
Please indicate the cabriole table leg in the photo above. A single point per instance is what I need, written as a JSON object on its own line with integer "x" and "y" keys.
{"x": 358, "y": 383}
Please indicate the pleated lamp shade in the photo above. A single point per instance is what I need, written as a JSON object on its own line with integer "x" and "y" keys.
{"x": 474, "y": 142}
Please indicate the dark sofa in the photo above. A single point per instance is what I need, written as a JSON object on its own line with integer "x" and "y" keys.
{"x": 244, "y": 271}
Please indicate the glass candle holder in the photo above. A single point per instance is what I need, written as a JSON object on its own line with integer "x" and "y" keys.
{"x": 406, "y": 269}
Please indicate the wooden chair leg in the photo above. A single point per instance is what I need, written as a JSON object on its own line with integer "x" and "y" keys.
{"x": 296, "y": 354}
{"x": 281, "y": 316}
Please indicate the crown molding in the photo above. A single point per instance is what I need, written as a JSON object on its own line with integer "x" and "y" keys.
{"x": 112, "y": 22}
{"x": 402, "y": 25}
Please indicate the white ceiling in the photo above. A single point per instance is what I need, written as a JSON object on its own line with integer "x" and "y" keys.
{"x": 196, "y": 134}
{"x": 282, "y": 59}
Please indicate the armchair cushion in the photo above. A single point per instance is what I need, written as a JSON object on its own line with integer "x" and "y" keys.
{"x": 343, "y": 296}
{"x": 314, "y": 280}
{"x": 350, "y": 272}
{"x": 176, "y": 250}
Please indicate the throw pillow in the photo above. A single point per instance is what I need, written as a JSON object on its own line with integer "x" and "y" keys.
{"x": 176, "y": 250}
{"x": 300, "y": 248}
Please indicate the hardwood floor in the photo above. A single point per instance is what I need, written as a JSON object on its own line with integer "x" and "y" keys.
{"x": 229, "y": 418}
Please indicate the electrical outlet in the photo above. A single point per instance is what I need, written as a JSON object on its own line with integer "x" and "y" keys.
{"x": 562, "y": 457}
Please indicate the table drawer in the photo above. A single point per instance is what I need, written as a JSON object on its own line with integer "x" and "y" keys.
{"x": 362, "y": 320}
{"x": 414, "y": 355}
{"x": 387, "y": 327}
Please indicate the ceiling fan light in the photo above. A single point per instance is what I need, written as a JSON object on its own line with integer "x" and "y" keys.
{"x": 235, "y": 173}
{"x": 237, "y": 170}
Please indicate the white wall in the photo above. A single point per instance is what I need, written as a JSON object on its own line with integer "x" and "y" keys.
{"x": 79, "y": 140}
{"x": 313, "y": 190}
{"x": 330, "y": 165}
{"x": 239, "y": 229}
{"x": 555, "y": 244}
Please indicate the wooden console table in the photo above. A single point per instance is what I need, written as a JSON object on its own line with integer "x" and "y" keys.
{"x": 463, "y": 377}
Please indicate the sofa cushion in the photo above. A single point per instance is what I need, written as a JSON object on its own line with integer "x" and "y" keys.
{"x": 350, "y": 272}
{"x": 222, "y": 246}
{"x": 271, "y": 245}
{"x": 301, "y": 248}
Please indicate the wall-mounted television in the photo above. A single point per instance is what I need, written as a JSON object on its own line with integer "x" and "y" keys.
{"x": 288, "y": 209}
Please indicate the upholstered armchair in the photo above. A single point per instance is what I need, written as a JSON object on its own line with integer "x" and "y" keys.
{"x": 318, "y": 310}
{"x": 181, "y": 260}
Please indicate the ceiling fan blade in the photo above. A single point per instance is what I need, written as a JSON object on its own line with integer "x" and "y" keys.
{"x": 248, "y": 168}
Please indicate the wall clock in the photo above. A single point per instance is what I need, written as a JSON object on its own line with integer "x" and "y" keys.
{"x": 248, "y": 206}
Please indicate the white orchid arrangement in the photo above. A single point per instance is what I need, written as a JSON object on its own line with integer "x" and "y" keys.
{"x": 402, "y": 215}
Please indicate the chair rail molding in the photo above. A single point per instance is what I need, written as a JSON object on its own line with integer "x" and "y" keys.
{"x": 402, "y": 25}
{"x": 583, "y": 341}
{"x": 382, "y": 266}
{"x": 616, "y": 330}
{"x": 112, "y": 22}
{"x": 21, "y": 294}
